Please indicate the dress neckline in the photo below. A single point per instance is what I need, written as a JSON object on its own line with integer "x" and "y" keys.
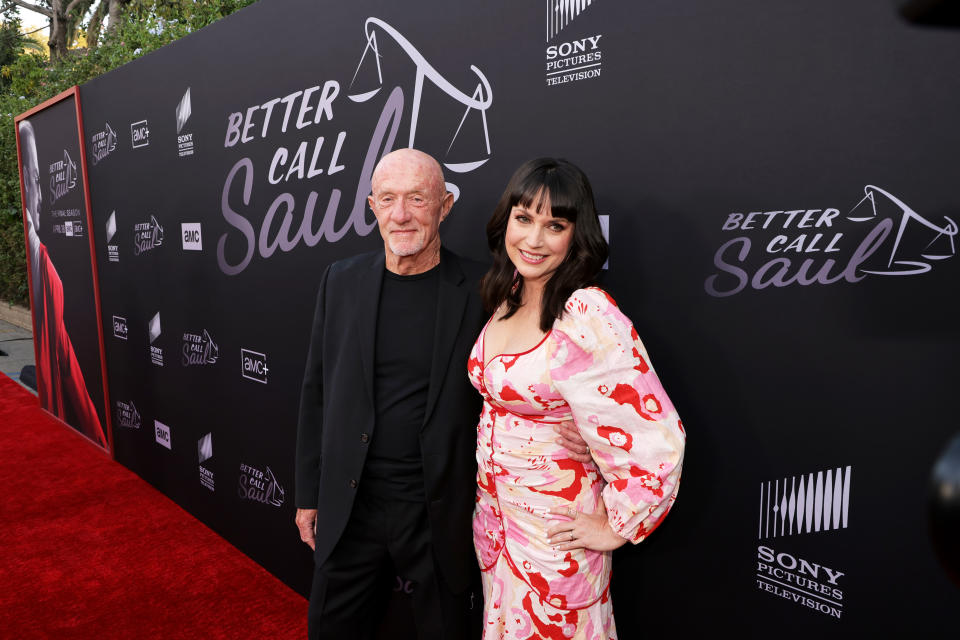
{"x": 483, "y": 346}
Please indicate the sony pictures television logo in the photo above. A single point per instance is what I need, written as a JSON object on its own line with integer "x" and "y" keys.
{"x": 154, "y": 330}
{"x": 127, "y": 415}
{"x": 113, "y": 250}
{"x": 162, "y": 433}
{"x": 63, "y": 177}
{"x": 578, "y": 56}
{"x": 805, "y": 504}
{"x": 259, "y": 486}
{"x": 120, "y": 327}
{"x": 102, "y": 143}
{"x": 140, "y": 134}
{"x": 147, "y": 236}
{"x": 810, "y": 503}
{"x": 199, "y": 349}
{"x": 184, "y": 140}
{"x": 204, "y": 453}
{"x": 254, "y": 365}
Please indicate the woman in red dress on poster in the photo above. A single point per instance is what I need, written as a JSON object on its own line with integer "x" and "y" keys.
{"x": 60, "y": 380}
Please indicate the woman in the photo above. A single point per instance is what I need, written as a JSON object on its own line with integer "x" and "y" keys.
{"x": 545, "y": 525}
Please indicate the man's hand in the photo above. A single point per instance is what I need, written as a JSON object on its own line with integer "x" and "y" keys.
{"x": 307, "y": 523}
{"x": 570, "y": 439}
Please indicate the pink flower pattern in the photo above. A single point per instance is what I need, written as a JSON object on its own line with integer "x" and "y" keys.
{"x": 591, "y": 368}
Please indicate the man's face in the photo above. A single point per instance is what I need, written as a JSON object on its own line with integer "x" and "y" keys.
{"x": 409, "y": 201}
{"x": 31, "y": 180}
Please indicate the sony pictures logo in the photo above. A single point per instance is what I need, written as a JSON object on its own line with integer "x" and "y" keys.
{"x": 184, "y": 140}
{"x": 204, "y": 453}
{"x": 147, "y": 236}
{"x": 259, "y": 486}
{"x": 804, "y": 504}
{"x": 120, "y": 327}
{"x": 162, "y": 432}
{"x": 576, "y": 58}
{"x": 199, "y": 349}
{"x": 154, "y": 330}
{"x": 113, "y": 250}
{"x": 254, "y": 365}
{"x": 127, "y": 415}
{"x": 140, "y": 134}
{"x": 102, "y": 143}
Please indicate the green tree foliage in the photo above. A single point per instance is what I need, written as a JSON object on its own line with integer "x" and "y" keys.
{"x": 117, "y": 31}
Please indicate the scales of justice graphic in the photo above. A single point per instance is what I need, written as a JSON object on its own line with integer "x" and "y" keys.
{"x": 940, "y": 247}
{"x": 476, "y": 103}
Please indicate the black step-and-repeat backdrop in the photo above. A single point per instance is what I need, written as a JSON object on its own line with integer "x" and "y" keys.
{"x": 56, "y": 220}
{"x": 778, "y": 181}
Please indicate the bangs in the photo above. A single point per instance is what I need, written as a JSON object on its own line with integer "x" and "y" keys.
{"x": 561, "y": 188}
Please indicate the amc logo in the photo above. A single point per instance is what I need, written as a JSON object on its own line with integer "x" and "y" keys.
{"x": 192, "y": 238}
{"x": 162, "y": 432}
{"x": 140, "y": 134}
{"x": 119, "y": 327}
{"x": 254, "y": 365}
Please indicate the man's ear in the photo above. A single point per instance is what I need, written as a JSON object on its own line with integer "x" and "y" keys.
{"x": 445, "y": 205}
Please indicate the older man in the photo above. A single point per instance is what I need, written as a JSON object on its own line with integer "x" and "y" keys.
{"x": 386, "y": 436}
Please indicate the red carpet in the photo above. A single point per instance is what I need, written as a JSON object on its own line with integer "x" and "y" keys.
{"x": 89, "y": 550}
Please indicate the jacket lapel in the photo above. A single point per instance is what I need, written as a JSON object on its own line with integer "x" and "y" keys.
{"x": 451, "y": 304}
{"x": 368, "y": 296}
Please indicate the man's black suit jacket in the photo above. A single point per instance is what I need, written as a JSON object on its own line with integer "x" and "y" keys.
{"x": 337, "y": 407}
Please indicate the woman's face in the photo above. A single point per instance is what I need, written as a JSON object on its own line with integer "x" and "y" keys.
{"x": 536, "y": 242}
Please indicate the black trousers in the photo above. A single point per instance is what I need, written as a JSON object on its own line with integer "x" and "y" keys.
{"x": 385, "y": 539}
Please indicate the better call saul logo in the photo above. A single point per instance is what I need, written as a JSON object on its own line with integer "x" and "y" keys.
{"x": 102, "y": 143}
{"x": 336, "y": 205}
{"x": 127, "y": 415}
{"x": 199, "y": 349}
{"x": 147, "y": 236}
{"x": 880, "y": 235}
{"x": 259, "y": 486}
{"x": 63, "y": 177}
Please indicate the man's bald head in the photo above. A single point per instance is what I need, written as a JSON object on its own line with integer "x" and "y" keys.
{"x": 31, "y": 172}
{"x": 411, "y": 159}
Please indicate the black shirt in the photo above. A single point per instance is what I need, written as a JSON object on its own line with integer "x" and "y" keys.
{"x": 402, "y": 355}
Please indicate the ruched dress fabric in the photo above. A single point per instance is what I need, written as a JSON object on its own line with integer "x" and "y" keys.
{"x": 591, "y": 368}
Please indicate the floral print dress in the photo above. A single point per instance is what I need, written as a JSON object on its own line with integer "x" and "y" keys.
{"x": 591, "y": 368}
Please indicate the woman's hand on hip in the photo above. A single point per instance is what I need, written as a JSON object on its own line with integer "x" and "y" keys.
{"x": 573, "y": 529}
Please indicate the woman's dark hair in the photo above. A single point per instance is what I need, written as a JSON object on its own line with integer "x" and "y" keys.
{"x": 571, "y": 198}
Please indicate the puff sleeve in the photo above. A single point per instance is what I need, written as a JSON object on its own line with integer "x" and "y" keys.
{"x": 620, "y": 408}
